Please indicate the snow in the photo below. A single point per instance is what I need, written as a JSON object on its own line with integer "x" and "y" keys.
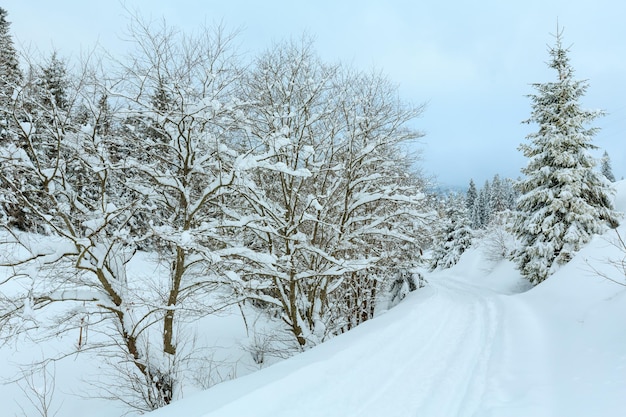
{"x": 27, "y": 128}
{"x": 476, "y": 341}
{"x": 457, "y": 348}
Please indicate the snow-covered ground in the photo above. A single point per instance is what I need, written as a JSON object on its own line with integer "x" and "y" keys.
{"x": 475, "y": 342}
{"x": 462, "y": 347}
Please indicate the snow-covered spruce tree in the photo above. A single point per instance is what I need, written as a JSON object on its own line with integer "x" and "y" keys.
{"x": 10, "y": 79}
{"x": 43, "y": 95}
{"x": 497, "y": 200}
{"x": 481, "y": 212}
{"x": 470, "y": 196}
{"x": 53, "y": 82}
{"x": 493, "y": 198}
{"x": 496, "y": 240}
{"x": 455, "y": 236}
{"x": 606, "y": 168}
{"x": 36, "y": 125}
{"x": 511, "y": 194}
{"x": 10, "y": 73}
{"x": 563, "y": 201}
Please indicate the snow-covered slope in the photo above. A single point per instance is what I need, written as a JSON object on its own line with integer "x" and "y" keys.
{"x": 475, "y": 342}
{"x": 470, "y": 344}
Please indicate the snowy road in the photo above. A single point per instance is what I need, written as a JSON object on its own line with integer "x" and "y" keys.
{"x": 455, "y": 339}
{"x": 446, "y": 351}
{"x": 470, "y": 344}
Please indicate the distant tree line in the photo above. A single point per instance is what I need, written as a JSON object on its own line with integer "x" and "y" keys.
{"x": 493, "y": 198}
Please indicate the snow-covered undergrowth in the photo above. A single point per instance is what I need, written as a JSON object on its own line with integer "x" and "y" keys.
{"x": 221, "y": 346}
{"x": 477, "y": 341}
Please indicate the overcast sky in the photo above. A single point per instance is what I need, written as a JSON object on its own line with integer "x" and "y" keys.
{"x": 471, "y": 61}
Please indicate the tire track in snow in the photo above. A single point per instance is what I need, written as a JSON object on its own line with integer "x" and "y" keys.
{"x": 427, "y": 335}
{"x": 442, "y": 359}
{"x": 417, "y": 352}
{"x": 521, "y": 379}
{"x": 458, "y": 387}
{"x": 438, "y": 354}
{"x": 488, "y": 358}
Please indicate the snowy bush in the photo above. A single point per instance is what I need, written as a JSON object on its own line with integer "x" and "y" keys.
{"x": 405, "y": 282}
{"x": 497, "y": 242}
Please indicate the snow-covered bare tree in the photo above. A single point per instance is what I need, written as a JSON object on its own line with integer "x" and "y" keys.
{"x": 497, "y": 242}
{"x": 62, "y": 174}
{"x": 102, "y": 169}
{"x": 184, "y": 120}
{"x": 182, "y": 90}
{"x": 563, "y": 201}
{"x": 382, "y": 210}
{"x": 334, "y": 204}
{"x": 293, "y": 98}
{"x": 288, "y": 184}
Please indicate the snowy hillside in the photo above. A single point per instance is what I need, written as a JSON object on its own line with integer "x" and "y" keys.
{"x": 471, "y": 344}
{"x": 475, "y": 342}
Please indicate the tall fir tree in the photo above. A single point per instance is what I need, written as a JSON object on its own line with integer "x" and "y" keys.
{"x": 497, "y": 200}
{"x": 511, "y": 194}
{"x": 455, "y": 234}
{"x": 563, "y": 201}
{"x": 10, "y": 78}
{"x": 470, "y": 196}
{"x": 606, "y": 168}
{"x": 53, "y": 83}
{"x": 10, "y": 73}
{"x": 481, "y": 212}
